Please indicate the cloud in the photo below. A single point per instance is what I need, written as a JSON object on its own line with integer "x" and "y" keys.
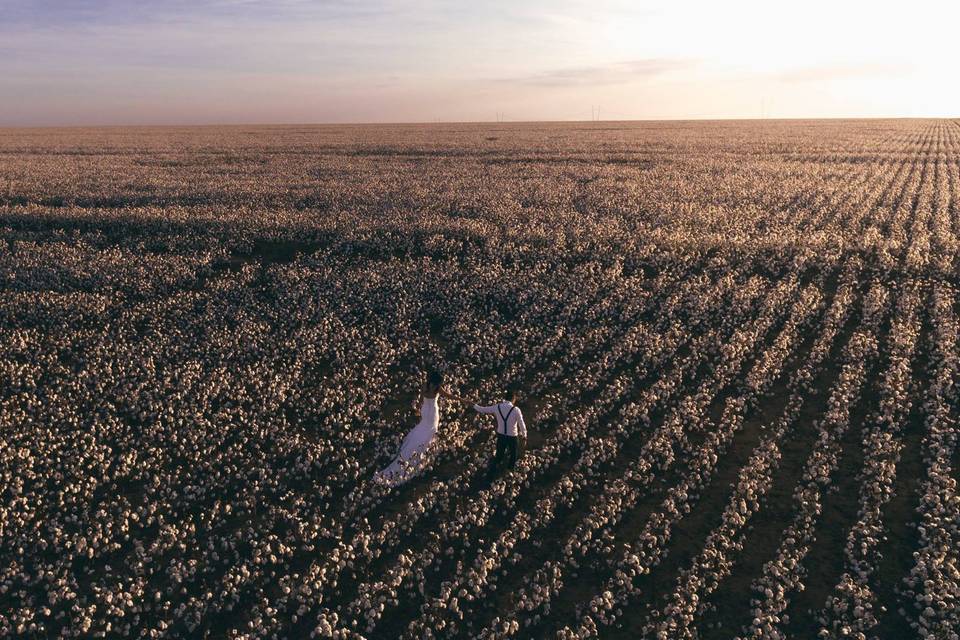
{"x": 68, "y": 16}
{"x": 841, "y": 71}
{"x": 614, "y": 73}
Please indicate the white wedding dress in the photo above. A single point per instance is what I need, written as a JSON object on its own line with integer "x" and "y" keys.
{"x": 413, "y": 450}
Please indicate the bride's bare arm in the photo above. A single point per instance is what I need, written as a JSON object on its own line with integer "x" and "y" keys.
{"x": 446, "y": 393}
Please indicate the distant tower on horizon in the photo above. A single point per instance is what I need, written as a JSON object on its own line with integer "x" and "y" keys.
{"x": 764, "y": 108}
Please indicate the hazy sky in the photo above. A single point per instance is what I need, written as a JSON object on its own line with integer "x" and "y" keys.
{"x": 261, "y": 61}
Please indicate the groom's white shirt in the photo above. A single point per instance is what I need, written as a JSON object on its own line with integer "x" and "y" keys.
{"x": 514, "y": 424}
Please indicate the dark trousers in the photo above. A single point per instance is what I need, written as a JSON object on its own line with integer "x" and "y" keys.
{"x": 508, "y": 450}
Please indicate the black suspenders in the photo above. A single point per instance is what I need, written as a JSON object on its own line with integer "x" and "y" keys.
{"x": 504, "y": 418}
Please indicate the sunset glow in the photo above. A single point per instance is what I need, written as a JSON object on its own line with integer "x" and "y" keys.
{"x": 232, "y": 61}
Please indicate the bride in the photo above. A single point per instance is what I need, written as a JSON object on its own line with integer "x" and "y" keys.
{"x": 413, "y": 450}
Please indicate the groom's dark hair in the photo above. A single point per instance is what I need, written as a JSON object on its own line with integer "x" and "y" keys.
{"x": 513, "y": 391}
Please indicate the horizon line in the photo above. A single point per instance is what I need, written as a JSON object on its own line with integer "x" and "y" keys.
{"x": 374, "y": 123}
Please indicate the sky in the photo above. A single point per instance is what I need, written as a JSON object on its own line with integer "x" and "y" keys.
{"x": 98, "y": 62}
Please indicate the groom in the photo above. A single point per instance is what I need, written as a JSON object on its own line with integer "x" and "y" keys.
{"x": 511, "y": 431}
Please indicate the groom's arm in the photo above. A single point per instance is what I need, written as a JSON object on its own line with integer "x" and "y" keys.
{"x": 481, "y": 409}
{"x": 521, "y": 425}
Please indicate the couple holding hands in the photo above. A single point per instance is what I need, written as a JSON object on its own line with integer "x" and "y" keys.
{"x": 511, "y": 432}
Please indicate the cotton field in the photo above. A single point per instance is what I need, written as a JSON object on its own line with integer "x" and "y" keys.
{"x": 737, "y": 345}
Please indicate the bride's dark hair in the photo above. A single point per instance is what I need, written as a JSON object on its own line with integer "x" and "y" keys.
{"x": 435, "y": 378}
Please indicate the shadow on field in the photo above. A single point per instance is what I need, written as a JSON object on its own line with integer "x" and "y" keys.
{"x": 265, "y": 252}
{"x": 118, "y": 229}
